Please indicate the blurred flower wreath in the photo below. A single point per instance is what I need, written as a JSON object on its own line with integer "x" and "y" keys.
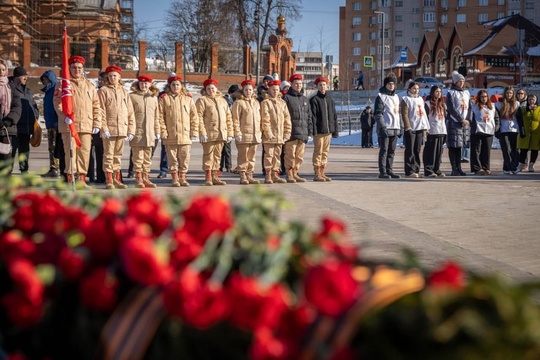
{"x": 143, "y": 277}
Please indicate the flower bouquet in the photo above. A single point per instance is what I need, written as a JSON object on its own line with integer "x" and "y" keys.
{"x": 142, "y": 277}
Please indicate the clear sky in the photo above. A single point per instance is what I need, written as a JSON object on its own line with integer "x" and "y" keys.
{"x": 316, "y": 15}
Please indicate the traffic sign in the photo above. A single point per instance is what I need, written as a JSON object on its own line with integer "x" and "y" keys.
{"x": 403, "y": 55}
{"x": 368, "y": 61}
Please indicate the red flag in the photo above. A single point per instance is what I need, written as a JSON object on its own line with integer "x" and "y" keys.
{"x": 67, "y": 96}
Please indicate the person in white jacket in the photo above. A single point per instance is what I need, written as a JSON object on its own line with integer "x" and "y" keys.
{"x": 484, "y": 124}
{"x": 507, "y": 108}
{"x": 433, "y": 149}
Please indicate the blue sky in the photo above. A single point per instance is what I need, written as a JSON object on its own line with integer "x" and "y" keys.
{"x": 316, "y": 14}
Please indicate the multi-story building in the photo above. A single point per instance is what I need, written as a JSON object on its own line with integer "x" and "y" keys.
{"x": 87, "y": 23}
{"x": 375, "y": 32}
{"x": 310, "y": 65}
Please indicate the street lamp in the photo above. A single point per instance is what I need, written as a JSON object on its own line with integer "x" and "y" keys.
{"x": 382, "y": 45}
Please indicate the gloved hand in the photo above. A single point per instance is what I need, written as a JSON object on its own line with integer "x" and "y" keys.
{"x": 158, "y": 137}
{"x": 229, "y": 139}
{"x": 203, "y": 139}
{"x": 68, "y": 121}
{"x": 239, "y": 138}
{"x": 95, "y": 131}
{"x": 383, "y": 132}
{"x": 129, "y": 137}
{"x": 310, "y": 138}
{"x": 106, "y": 135}
{"x": 285, "y": 140}
{"x": 522, "y": 133}
{"x": 194, "y": 138}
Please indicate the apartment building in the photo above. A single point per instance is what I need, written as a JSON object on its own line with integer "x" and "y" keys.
{"x": 310, "y": 65}
{"x": 375, "y": 34}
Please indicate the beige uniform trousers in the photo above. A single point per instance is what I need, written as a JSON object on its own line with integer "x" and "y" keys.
{"x": 321, "y": 147}
{"x": 142, "y": 158}
{"x": 81, "y": 156}
{"x": 294, "y": 154}
{"x": 246, "y": 157}
{"x": 178, "y": 157}
{"x": 272, "y": 156}
{"x": 113, "y": 149}
{"x": 212, "y": 155}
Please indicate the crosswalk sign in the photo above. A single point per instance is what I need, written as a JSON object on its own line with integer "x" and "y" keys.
{"x": 368, "y": 61}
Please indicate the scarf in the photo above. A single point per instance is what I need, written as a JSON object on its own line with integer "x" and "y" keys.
{"x": 5, "y": 96}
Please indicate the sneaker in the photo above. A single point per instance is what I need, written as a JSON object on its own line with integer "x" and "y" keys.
{"x": 488, "y": 172}
{"x": 506, "y": 172}
{"x": 531, "y": 167}
{"x": 162, "y": 175}
{"x": 384, "y": 176}
{"x": 523, "y": 167}
{"x": 441, "y": 174}
{"x": 480, "y": 172}
{"x": 432, "y": 175}
{"x": 394, "y": 176}
{"x": 412, "y": 175}
{"x": 464, "y": 161}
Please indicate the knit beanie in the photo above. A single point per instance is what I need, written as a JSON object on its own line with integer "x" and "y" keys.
{"x": 389, "y": 79}
{"x": 457, "y": 77}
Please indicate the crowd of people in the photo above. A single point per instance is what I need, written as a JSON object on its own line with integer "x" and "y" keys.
{"x": 276, "y": 114}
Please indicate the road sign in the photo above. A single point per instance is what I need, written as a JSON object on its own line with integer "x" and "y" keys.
{"x": 403, "y": 55}
{"x": 368, "y": 61}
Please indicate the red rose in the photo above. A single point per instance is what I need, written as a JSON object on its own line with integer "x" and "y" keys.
{"x": 333, "y": 240}
{"x": 142, "y": 264}
{"x": 148, "y": 210}
{"x": 186, "y": 248}
{"x": 20, "y": 310}
{"x": 14, "y": 245}
{"x": 26, "y": 280}
{"x": 266, "y": 346}
{"x": 450, "y": 275}
{"x": 331, "y": 288}
{"x": 71, "y": 262}
{"x": 98, "y": 290}
{"x": 206, "y": 215}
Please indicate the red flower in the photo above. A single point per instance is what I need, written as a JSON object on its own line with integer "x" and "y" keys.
{"x": 197, "y": 302}
{"x": 71, "y": 263}
{"x": 266, "y": 346}
{"x": 20, "y": 310}
{"x": 14, "y": 245}
{"x": 331, "y": 288}
{"x": 450, "y": 275}
{"x": 142, "y": 264}
{"x": 98, "y": 290}
{"x": 26, "y": 281}
{"x": 186, "y": 249}
{"x": 148, "y": 210}
{"x": 206, "y": 215}
{"x": 333, "y": 240}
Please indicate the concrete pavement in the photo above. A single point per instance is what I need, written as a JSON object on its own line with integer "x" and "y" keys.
{"x": 487, "y": 223}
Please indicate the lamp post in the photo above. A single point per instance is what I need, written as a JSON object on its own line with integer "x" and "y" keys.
{"x": 257, "y": 22}
{"x": 382, "y": 43}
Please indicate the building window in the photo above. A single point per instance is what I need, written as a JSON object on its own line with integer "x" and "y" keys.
{"x": 462, "y": 3}
{"x": 444, "y": 4}
{"x": 514, "y": 12}
{"x": 357, "y": 36}
{"x": 372, "y": 35}
{"x": 397, "y": 48}
{"x": 357, "y": 6}
{"x": 398, "y": 3}
{"x": 529, "y": 5}
{"x": 429, "y": 17}
{"x": 384, "y": 3}
{"x": 444, "y": 19}
{"x": 356, "y": 66}
{"x": 500, "y": 2}
{"x": 429, "y": 3}
{"x": 482, "y": 18}
{"x": 482, "y": 2}
{"x": 398, "y": 33}
{"x": 356, "y": 20}
{"x": 461, "y": 18}
{"x": 373, "y": 5}
{"x": 416, "y": 10}
{"x": 357, "y": 51}
{"x": 399, "y": 18}
{"x": 372, "y": 50}
{"x": 500, "y": 15}
{"x": 416, "y": 25}
{"x": 415, "y": 40}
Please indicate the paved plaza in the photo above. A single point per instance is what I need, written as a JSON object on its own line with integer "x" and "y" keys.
{"x": 487, "y": 223}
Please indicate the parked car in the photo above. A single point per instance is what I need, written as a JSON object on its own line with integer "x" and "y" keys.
{"x": 426, "y": 82}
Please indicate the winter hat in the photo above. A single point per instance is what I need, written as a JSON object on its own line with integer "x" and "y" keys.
{"x": 210, "y": 82}
{"x": 284, "y": 84}
{"x": 19, "y": 71}
{"x": 234, "y": 88}
{"x": 76, "y": 58}
{"x": 247, "y": 82}
{"x": 113, "y": 68}
{"x": 274, "y": 82}
{"x": 268, "y": 78}
{"x": 457, "y": 77}
{"x": 389, "y": 79}
{"x": 145, "y": 78}
{"x": 295, "y": 77}
{"x": 172, "y": 78}
{"x": 319, "y": 79}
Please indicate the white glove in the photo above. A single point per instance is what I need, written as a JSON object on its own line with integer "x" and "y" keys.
{"x": 194, "y": 138}
{"x": 310, "y": 138}
{"x": 129, "y": 137}
{"x": 95, "y": 131}
{"x": 163, "y": 137}
{"x": 68, "y": 121}
{"x": 106, "y": 135}
{"x": 285, "y": 140}
{"x": 203, "y": 139}
{"x": 158, "y": 137}
{"x": 229, "y": 139}
{"x": 239, "y": 138}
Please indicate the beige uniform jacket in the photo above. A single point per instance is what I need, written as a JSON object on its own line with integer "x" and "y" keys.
{"x": 118, "y": 118}
{"x": 146, "y": 111}
{"x": 246, "y": 115}
{"x": 178, "y": 118}
{"x": 275, "y": 121}
{"x": 215, "y": 115}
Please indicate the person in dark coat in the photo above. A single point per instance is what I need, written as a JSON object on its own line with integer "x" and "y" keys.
{"x": 226, "y": 159}
{"x": 458, "y": 107}
{"x": 10, "y": 112}
{"x": 367, "y": 122}
{"x": 325, "y": 127}
{"x": 50, "y": 82}
{"x": 29, "y": 114}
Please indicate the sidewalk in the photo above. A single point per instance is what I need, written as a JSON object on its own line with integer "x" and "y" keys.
{"x": 487, "y": 223}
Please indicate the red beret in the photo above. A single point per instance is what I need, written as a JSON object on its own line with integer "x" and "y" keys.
{"x": 145, "y": 78}
{"x": 113, "y": 68}
{"x": 295, "y": 77}
{"x": 210, "y": 81}
{"x": 247, "y": 82}
{"x": 76, "y": 58}
{"x": 274, "y": 82}
{"x": 319, "y": 79}
{"x": 170, "y": 79}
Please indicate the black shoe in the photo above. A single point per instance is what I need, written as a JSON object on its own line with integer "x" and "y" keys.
{"x": 384, "y": 176}
{"x": 461, "y": 172}
{"x": 52, "y": 173}
{"x": 129, "y": 175}
{"x": 464, "y": 160}
{"x": 162, "y": 175}
{"x": 394, "y": 176}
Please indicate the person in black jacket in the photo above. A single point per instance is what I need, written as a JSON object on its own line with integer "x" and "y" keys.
{"x": 366, "y": 122}
{"x": 302, "y": 128}
{"x": 325, "y": 126}
{"x": 10, "y": 112}
{"x": 29, "y": 114}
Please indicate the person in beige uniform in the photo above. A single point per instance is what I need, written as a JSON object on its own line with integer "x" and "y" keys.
{"x": 215, "y": 128}
{"x": 144, "y": 97}
{"x": 246, "y": 116}
{"x": 276, "y": 130}
{"x": 88, "y": 119}
{"x": 118, "y": 125}
{"x": 179, "y": 124}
